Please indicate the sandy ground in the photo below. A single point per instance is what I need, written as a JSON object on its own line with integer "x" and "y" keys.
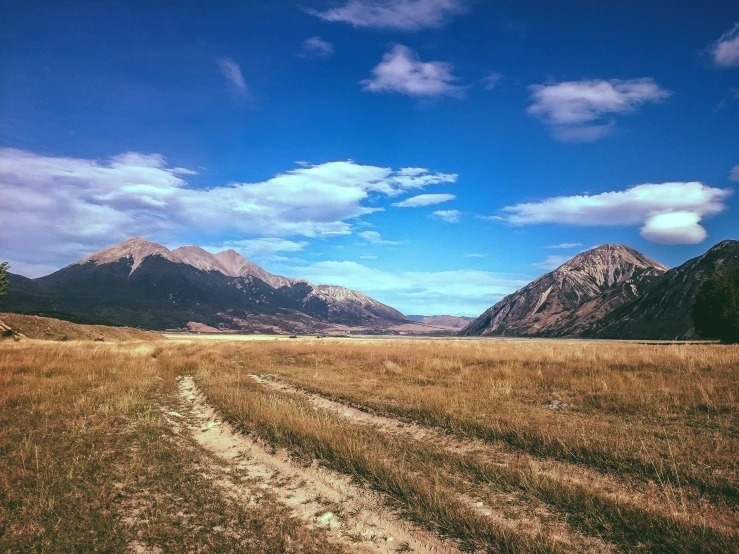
{"x": 354, "y": 516}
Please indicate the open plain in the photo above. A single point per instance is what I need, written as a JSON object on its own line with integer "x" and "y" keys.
{"x": 368, "y": 445}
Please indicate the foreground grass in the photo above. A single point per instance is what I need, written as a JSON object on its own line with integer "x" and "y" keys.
{"x": 662, "y": 413}
{"x": 91, "y": 465}
{"x": 425, "y": 480}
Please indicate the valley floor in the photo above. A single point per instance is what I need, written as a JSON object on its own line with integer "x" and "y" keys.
{"x": 368, "y": 445}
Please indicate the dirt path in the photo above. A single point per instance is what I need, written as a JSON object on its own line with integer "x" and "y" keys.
{"x": 662, "y": 499}
{"x": 353, "y": 516}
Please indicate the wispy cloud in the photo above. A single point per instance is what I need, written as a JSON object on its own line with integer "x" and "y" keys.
{"x": 563, "y": 245}
{"x": 669, "y": 213}
{"x": 373, "y": 237}
{"x": 316, "y": 47}
{"x": 575, "y": 110}
{"x": 401, "y": 71}
{"x": 725, "y": 51}
{"x": 551, "y": 262}
{"x": 448, "y": 216}
{"x": 231, "y": 71}
{"x": 404, "y": 15}
{"x": 492, "y": 80}
{"x": 475, "y": 255}
{"x": 56, "y": 209}
{"x": 734, "y": 175}
{"x": 424, "y": 200}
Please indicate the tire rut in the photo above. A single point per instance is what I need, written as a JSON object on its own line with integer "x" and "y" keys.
{"x": 353, "y": 516}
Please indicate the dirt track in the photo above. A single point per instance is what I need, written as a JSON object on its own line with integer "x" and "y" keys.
{"x": 353, "y": 516}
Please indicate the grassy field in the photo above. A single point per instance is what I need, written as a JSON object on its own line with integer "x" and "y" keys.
{"x": 458, "y": 445}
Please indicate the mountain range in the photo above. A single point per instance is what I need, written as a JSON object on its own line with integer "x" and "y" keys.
{"x": 611, "y": 291}
{"x": 141, "y": 283}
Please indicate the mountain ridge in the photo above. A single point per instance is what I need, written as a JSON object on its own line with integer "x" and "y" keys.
{"x": 138, "y": 282}
{"x": 541, "y": 307}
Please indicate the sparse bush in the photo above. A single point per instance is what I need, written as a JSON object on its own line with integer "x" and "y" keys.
{"x": 716, "y": 308}
{"x": 4, "y": 266}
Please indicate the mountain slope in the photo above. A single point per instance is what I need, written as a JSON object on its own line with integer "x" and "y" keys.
{"x": 141, "y": 283}
{"x": 664, "y": 311}
{"x": 581, "y": 290}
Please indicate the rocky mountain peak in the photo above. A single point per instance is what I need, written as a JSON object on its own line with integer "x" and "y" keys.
{"x": 542, "y": 306}
{"x": 135, "y": 248}
{"x": 200, "y": 259}
{"x": 238, "y": 266}
{"x": 609, "y": 264}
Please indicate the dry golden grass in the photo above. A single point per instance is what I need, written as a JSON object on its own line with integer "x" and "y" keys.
{"x": 47, "y": 328}
{"x": 91, "y": 465}
{"x": 642, "y": 459}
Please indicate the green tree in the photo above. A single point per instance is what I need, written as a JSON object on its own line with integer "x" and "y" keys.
{"x": 4, "y": 278}
{"x": 716, "y": 308}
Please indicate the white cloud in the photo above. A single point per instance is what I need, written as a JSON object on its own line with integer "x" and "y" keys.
{"x": 725, "y": 50}
{"x": 674, "y": 228}
{"x": 401, "y": 71}
{"x": 316, "y": 47}
{"x": 661, "y": 209}
{"x": 563, "y": 245}
{"x": 404, "y": 15}
{"x": 492, "y": 80}
{"x": 551, "y": 262}
{"x": 259, "y": 247}
{"x": 57, "y": 209}
{"x": 373, "y": 237}
{"x": 448, "y": 216}
{"x": 414, "y": 292}
{"x": 575, "y": 109}
{"x": 476, "y": 255}
{"x": 424, "y": 200}
{"x": 232, "y": 72}
{"x": 734, "y": 175}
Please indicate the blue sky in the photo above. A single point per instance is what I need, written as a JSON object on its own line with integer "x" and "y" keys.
{"x": 435, "y": 154}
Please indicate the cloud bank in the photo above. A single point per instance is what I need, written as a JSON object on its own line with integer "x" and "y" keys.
{"x": 401, "y": 71}
{"x": 56, "y": 209}
{"x": 669, "y": 213}
{"x": 575, "y": 110}
{"x": 403, "y": 15}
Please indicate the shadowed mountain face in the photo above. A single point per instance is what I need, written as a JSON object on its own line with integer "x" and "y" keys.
{"x": 664, "y": 311}
{"x": 573, "y": 297}
{"x": 144, "y": 284}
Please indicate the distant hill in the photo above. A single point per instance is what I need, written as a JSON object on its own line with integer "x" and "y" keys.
{"x": 141, "y": 283}
{"x": 35, "y": 327}
{"x": 571, "y": 299}
{"x": 441, "y": 321}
